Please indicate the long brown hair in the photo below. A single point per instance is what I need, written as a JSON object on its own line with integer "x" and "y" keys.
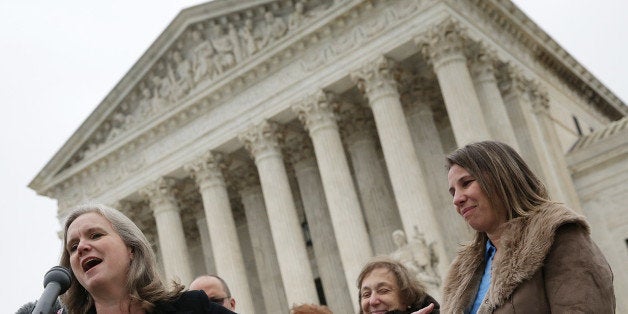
{"x": 503, "y": 176}
{"x": 143, "y": 281}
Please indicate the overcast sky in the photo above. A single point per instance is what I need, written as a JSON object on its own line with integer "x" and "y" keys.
{"x": 59, "y": 59}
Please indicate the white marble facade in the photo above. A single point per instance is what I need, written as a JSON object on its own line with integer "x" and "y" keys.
{"x": 279, "y": 143}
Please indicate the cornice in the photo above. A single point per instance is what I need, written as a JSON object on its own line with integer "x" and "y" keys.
{"x": 544, "y": 50}
{"x": 598, "y": 147}
{"x": 610, "y": 130}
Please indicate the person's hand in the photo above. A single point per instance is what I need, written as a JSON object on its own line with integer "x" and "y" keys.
{"x": 425, "y": 310}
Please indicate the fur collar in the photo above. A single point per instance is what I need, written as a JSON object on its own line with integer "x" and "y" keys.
{"x": 523, "y": 246}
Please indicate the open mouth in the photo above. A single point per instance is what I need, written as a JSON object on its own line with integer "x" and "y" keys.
{"x": 90, "y": 263}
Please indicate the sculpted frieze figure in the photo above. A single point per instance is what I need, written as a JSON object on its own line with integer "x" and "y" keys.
{"x": 224, "y": 46}
{"x": 272, "y": 29}
{"x": 90, "y": 150}
{"x": 161, "y": 90}
{"x": 145, "y": 105}
{"x": 203, "y": 62}
{"x": 232, "y": 33}
{"x": 131, "y": 101}
{"x": 297, "y": 17}
{"x": 117, "y": 125}
{"x": 164, "y": 84}
{"x": 419, "y": 257}
{"x": 246, "y": 34}
{"x": 183, "y": 74}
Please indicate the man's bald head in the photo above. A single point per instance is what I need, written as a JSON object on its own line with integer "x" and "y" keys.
{"x": 216, "y": 289}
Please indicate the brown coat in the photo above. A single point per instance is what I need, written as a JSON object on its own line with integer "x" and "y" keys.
{"x": 545, "y": 263}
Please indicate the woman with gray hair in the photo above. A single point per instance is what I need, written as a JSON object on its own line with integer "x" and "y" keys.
{"x": 115, "y": 270}
{"x": 386, "y": 286}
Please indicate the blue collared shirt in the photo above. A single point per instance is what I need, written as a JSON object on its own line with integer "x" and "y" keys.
{"x": 486, "y": 277}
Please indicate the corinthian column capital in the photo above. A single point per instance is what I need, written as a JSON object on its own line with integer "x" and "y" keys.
{"x": 160, "y": 193}
{"x": 207, "y": 169}
{"x": 377, "y": 79}
{"x": 317, "y": 110}
{"x": 443, "y": 43}
{"x": 512, "y": 80}
{"x": 262, "y": 139}
{"x": 540, "y": 98}
{"x": 481, "y": 64}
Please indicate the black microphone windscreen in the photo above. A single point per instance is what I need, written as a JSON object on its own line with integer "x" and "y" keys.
{"x": 60, "y": 275}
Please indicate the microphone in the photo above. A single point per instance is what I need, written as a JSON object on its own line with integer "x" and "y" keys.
{"x": 56, "y": 281}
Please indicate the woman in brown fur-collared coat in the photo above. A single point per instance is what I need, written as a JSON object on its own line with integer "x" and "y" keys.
{"x": 530, "y": 255}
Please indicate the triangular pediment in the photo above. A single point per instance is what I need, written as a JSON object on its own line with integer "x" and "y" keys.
{"x": 214, "y": 50}
{"x": 203, "y": 47}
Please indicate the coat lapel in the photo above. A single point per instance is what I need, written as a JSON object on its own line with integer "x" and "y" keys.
{"x": 525, "y": 243}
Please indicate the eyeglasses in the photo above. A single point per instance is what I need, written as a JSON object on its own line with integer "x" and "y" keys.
{"x": 218, "y": 300}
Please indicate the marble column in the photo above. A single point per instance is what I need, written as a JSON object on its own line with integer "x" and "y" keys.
{"x": 491, "y": 101}
{"x": 208, "y": 256}
{"x": 554, "y": 155}
{"x": 380, "y": 210}
{"x": 317, "y": 115}
{"x": 174, "y": 250}
{"x": 528, "y": 108}
{"x": 444, "y": 48}
{"x": 324, "y": 241}
{"x": 431, "y": 155}
{"x": 296, "y": 273}
{"x": 519, "y": 103}
{"x": 261, "y": 240}
{"x": 406, "y": 175}
{"x": 195, "y": 248}
{"x": 222, "y": 231}
{"x": 255, "y": 286}
{"x": 515, "y": 90}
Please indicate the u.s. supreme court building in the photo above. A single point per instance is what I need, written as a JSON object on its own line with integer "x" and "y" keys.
{"x": 280, "y": 143}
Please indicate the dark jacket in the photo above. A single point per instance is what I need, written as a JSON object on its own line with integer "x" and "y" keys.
{"x": 191, "y": 302}
{"x": 425, "y": 303}
{"x": 419, "y": 306}
{"x": 546, "y": 263}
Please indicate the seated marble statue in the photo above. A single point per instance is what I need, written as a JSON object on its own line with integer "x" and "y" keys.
{"x": 416, "y": 255}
